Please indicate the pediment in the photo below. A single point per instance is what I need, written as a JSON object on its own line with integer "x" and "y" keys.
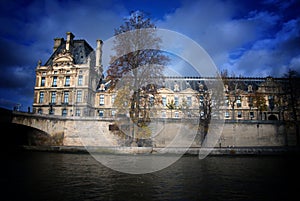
{"x": 189, "y": 91}
{"x": 63, "y": 58}
{"x": 165, "y": 91}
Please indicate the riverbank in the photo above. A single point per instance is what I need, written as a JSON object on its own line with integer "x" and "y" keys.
{"x": 149, "y": 150}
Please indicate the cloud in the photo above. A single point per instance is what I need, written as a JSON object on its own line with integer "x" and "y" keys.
{"x": 252, "y": 41}
{"x": 29, "y": 27}
{"x": 272, "y": 56}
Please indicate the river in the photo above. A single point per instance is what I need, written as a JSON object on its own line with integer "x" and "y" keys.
{"x": 67, "y": 176}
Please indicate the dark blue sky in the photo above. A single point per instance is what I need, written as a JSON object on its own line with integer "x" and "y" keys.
{"x": 248, "y": 38}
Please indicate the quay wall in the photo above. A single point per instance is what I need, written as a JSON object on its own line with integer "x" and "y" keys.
{"x": 98, "y": 132}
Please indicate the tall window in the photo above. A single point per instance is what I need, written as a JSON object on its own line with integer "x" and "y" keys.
{"x": 113, "y": 98}
{"x": 77, "y": 112}
{"x": 43, "y": 81}
{"x": 101, "y": 99}
{"x": 67, "y": 81}
{"x": 66, "y": 97}
{"x": 164, "y": 101}
{"x": 251, "y": 114}
{"x": 163, "y": 114}
{"x": 226, "y": 114}
{"x": 238, "y": 102}
{"x": 80, "y": 79}
{"x": 151, "y": 100}
{"x": 227, "y": 100}
{"x": 176, "y": 100}
{"x": 239, "y": 114}
{"x": 189, "y": 101}
{"x": 53, "y": 97}
{"x": 79, "y": 96}
{"x": 41, "y": 99}
{"x": 54, "y": 83}
{"x": 101, "y": 113}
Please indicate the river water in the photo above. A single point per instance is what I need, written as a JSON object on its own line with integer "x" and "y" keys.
{"x": 65, "y": 176}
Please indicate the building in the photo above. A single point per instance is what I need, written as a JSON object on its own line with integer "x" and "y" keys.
{"x": 71, "y": 83}
{"x": 66, "y": 84}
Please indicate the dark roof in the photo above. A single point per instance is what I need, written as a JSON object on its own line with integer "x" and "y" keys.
{"x": 80, "y": 51}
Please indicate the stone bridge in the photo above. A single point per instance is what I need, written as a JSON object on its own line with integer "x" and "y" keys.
{"x": 36, "y": 129}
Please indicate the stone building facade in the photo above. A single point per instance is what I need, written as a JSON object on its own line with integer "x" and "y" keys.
{"x": 66, "y": 84}
{"x": 71, "y": 83}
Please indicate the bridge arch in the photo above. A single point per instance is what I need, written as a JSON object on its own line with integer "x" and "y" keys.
{"x": 16, "y": 135}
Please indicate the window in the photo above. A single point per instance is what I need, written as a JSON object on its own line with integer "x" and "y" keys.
{"x": 201, "y": 98}
{"x": 80, "y": 79}
{"x": 41, "y": 100}
{"x": 163, "y": 114}
{"x": 251, "y": 114}
{"x": 227, "y": 101}
{"x": 176, "y": 100}
{"x": 51, "y": 110}
{"x": 151, "y": 100}
{"x": 79, "y": 96}
{"x": 43, "y": 81}
{"x": 67, "y": 81}
{"x": 101, "y": 113}
{"x": 40, "y": 111}
{"x": 66, "y": 97}
{"x": 64, "y": 112}
{"x": 189, "y": 101}
{"x": 176, "y": 114}
{"x": 239, "y": 114}
{"x": 164, "y": 101}
{"x": 53, "y": 97}
{"x": 77, "y": 112}
{"x": 113, "y": 113}
{"x": 113, "y": 98}
{"x": 227, "y": 114}
{"x": 250, "y": 88}
{"x": 101, "y": 99}
{"x": 238, "y": 102}
{"x": 54, "y": 83}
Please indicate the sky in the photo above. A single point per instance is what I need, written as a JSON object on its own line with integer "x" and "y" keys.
{"x": 247, "y": 38}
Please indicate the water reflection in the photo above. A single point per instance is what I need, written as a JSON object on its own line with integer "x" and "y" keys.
{"x": 58, "y": 176}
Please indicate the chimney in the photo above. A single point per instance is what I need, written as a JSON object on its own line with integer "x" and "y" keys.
{"x": 57, "y": 43}
{"x": 69, "y": 42}
{"x": 99, "y": 53}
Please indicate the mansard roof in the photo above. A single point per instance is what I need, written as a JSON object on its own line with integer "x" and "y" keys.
{"x": 80, "y": 51}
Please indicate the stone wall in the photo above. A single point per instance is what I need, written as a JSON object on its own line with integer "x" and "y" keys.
{"x": 172, "y": 133}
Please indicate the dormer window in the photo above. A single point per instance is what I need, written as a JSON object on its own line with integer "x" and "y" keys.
{"x": 250, "y": 89}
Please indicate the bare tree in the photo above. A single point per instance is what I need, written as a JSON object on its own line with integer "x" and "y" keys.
{"x": 260, "y": 103}
{"x": 292, "y": 97}
{"x": 139, "y": 64}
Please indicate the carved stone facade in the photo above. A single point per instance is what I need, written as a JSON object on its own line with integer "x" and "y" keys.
{"x": 71, "y": 83}
{"x": 66, "y": 84}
